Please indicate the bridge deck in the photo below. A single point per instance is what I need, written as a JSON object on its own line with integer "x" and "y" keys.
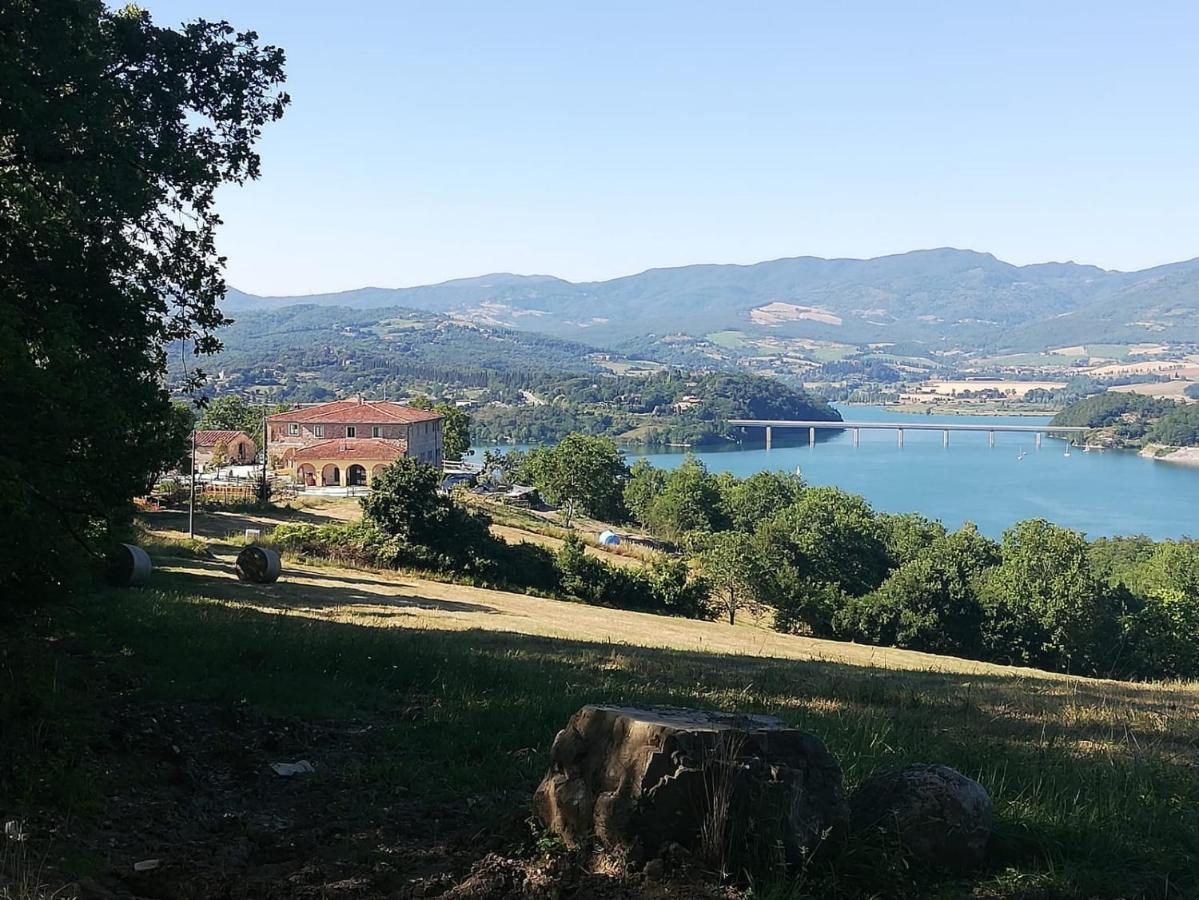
{"x": 906, "y": 426}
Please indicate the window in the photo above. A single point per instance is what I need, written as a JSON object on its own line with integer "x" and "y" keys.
{"x": 318, "y": 430}
{"x": 351, "y": 431}
{"x": 293, "y": 427}
{"x": 376, "y": 431}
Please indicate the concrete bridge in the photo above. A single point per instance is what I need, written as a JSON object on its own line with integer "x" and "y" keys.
{"x": 899, "y": 428}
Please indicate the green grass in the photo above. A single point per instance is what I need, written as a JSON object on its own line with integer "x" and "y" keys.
{"x": 1095, "y": 786}
{"x": 730, "y": 340}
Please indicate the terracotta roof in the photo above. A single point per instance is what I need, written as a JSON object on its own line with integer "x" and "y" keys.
{"x": 353, "y": 448}
{"x": 212, "y": 438}
{"x": 375, "y": 412}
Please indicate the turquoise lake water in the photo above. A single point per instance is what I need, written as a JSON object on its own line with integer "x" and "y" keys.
{"x": 1102, "y": 494}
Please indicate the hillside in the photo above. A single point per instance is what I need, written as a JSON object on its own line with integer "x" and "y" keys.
{"x": 669, "y": 408}
{"x": 945, "y": 298}
{"x": 311, "y": 352}
{"x": 1132, "y": 420}
{"x": 426, "y": 711}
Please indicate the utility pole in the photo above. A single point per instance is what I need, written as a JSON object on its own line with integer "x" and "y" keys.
{"x": 265, "y": 439}
{"x": 191, "y": 503}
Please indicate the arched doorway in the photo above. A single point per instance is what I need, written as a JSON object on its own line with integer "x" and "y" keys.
{"x": 377, "y": 471}
{"x": 330, "y": 475}
{"x": 306, "y": 473}
{"x": 355, "y": 475}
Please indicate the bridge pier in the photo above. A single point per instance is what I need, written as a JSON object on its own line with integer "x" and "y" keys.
{"x": 899, "y": 436}
{"x": 991, "y": 438}
{"x": 857, "y": 436}
{"x": 769, "y": 436}
{"x": 1038, "y": 440}
{"x": 945, "y": 438}
{"x": 811, "y": 437}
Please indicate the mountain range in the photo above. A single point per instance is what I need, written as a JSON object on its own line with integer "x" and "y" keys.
{"x": 945, "y": 298}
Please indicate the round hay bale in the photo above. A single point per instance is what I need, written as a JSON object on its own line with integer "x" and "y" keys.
{"x": 128, "y": 565}
{"x": 258, "y": 565}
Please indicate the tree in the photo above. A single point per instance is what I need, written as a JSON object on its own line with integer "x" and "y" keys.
{"x": 645, "y": 483}
{"x": 831, "y": 537}
{"x": 689, "y": 501}
{"x": 220, "y": 454}
{"x": 930, "y": 602}
{"x": 1043, "y": 604}
{"x": 735, "y": 572}
{"x": 114, "y": 137}
{"x": 584, "y": 472}
{"x": 231, "y": 412}
{"x": 455, "y": 430}
{"x": 1162, "y": 629}
{"x": 751, "y": 501}
{"x": 405, "y": 503}
{"x": 906, "y": 535}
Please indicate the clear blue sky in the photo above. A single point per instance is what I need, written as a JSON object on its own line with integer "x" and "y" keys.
{"x": 433, "y": 140}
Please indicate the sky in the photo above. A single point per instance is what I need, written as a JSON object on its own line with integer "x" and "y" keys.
{"x": 435, "y": 140}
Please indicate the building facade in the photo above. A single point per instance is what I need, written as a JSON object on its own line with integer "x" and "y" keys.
{"x": 346, "y": 442}
{"x": 236, "y": 447}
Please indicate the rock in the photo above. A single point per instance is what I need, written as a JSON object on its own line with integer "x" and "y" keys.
{"x": 939, "y": 815}
{"x": 286, "y": 769}
{"x": 741, "y": 791}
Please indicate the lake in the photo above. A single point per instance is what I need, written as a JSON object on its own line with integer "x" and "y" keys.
{"x": 1100, "y": 493}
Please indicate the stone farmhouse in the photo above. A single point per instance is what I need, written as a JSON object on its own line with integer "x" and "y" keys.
{"x": 347, "y": 442}
{"x": 239, "y": 447}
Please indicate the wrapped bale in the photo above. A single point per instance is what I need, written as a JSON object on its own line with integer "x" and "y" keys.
{"x": 258, "y": 565}
{"x": 128, "y": 566}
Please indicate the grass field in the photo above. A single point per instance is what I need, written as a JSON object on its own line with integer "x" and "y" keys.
{"x": 1095, "y": 783}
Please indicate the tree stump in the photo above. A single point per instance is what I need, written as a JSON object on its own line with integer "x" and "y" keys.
{"x": 741, "y": 792}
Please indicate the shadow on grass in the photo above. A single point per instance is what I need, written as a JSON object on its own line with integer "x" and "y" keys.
{"x": 215, "y": 579}
{"x": 1092, "y": 797}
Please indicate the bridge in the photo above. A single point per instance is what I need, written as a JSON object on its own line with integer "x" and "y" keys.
{"x": 899, "y": 428}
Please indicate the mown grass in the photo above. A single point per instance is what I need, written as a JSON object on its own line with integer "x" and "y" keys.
{"x": 1096, "y": 784}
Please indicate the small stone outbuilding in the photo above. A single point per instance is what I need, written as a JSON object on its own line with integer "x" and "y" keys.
{"x": 237, "y": 448}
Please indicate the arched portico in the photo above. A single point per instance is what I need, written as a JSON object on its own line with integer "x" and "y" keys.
{"x": 330, "y": 475}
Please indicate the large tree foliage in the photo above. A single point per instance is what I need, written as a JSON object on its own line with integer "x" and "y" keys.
{"x": 750, "y": 501}
{"x": 689, "y": 501}
{"x": 230, "y": 412}
{"x": 581, "y": 472}
{"x": 114, "y": 137}
{"x": 929, "y": 602}
{"x": 405, "y": 502}
{"x": 1043, "y": 604}
{"x": 736, "y": 574}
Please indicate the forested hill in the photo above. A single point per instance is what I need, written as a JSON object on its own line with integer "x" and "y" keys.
{"x": 312, "y": 353}
{"x": 670, "y": 408}
{"x": 954, "y": 298}
{"x": 1132, "y": 420}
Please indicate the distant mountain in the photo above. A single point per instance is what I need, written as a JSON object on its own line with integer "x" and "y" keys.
{"x": 943, "y": 298}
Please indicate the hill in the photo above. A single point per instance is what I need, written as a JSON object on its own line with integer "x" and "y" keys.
{"x": 944, "y": 298}
{"x": 1133, "y": 420}
{"x": 668, "y": 408}
{"x": 311, "y": 352}
{"x": 427, "y": 710}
